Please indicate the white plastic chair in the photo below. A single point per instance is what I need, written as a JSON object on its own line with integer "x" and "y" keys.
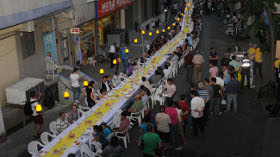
{"x": 97, "y": 145}
{"x": 125, "y": 138}
{"x": 110, "y": 136}
{"x": 45, "y": 137}
{"x": 33, "y": 147}
{"x": 86, "y": 101}
{"x": 86, "y": 152}
{"x": 53, "y": 128}
{"x": 136, "y": 116}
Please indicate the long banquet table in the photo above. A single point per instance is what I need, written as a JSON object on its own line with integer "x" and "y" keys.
{"x": 105, "y": 110}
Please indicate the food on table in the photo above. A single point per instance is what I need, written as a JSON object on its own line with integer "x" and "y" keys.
{"x": 71, "y": 136}
{"x": 99, "y": 113}
{"x": 88, "y": 122}
{"x": 56, "y": 152}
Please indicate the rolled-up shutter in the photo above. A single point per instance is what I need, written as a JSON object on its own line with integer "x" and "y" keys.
{"x": 9, "y": 70}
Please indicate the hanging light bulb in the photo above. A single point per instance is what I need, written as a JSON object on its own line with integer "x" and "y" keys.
{"x": 163, "y": 30}
{"x": 168, "y": 27}
{"x": 189, "y": 4}
{"x": 157, "y": 31}
{"x": 182, "y": 14}
{"x": 150, "y": 33}
{"x": 85, "y": 83}
{"x": 178, "y": 19}
{"x": 66, "y": 94}
{"x": 143, "y": 32}
{"x": 186, "y": 9}
{"x": 135, "y": 40}
{"x": 173, "y": 24}
{"x": 114, "y": 61}
{"x": 39, "y": 108}
{"x": 101, "y": 71}
{"x": 126, "y": 50}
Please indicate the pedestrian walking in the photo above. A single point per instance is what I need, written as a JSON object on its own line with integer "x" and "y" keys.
{"x": 197, "y": 107}
{"x": 113, "y": 54}
{"x": 124, "y": 55}
{"x": 36, "y": 116}
{"x": 232, "y": 89}
{"x": 203, "y": 93}
{"x": 216, "y": 100}
{"x": 197, "y": 62}
{"x": 258, "y": 61}
{"x": 189, "y": 65}
{"x": 245, "y": 70}
{"x": 75, "y": 85}
{"x": 213, "y": 70}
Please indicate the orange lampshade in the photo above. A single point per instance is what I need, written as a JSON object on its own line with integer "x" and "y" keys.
{"x": 168, "y": 27}
{"x": 150, "y": 33}
{"x": 135, "y": 40}
{"x": 182, "y": 14}
{"x": 101, "y": 71}
{"x": 178, "y": 19}
{"x": 157, "y": 31}
{"x": 126, "y": 50}
{"x": 114, "y": 61}
{"x": 173, "y": 24}
{"x": 85, "y": 83}
{"x": 143, "y": 32}
{"x": 163, "y": 30}
{"x": 38, "y": 108}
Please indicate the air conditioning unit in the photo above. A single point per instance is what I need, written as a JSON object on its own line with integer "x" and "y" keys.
{"x": 28, "y": 26}
{"x": 19, "y": 92}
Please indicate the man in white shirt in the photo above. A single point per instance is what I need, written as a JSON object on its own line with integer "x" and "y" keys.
{"x": 50, "y": 64}
{"x": 61, "y": 122}
{"x": 162, "y": 123}
{"x": 75, "y": 85}
{"x": 147, "y": 84}
{"x": 197, "y": 107}
{"x": 166, "y": 71}
{"x": 219, "y": 80}
{"x": 113, "y": 53}
{"x": 169, "y": 89}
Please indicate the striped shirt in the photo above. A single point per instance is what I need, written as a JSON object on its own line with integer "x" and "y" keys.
{"x": 203, "y": 94}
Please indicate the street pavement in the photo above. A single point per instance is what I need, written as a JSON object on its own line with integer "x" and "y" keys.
{"x": 245, "y": 134}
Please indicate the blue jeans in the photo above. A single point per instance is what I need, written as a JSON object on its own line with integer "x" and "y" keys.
{"x": 232, "y": 98}
{"x": 175, "y": 139}
{"x": 76, "y": 92}
{"x": 125, "y": 61}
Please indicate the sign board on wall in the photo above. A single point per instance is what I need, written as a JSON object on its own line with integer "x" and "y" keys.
{"x": 49, "y": 38}
{"x": 106, "y": 7}
{"x": 277, "y": 49}
{"x": 75, "y": 30}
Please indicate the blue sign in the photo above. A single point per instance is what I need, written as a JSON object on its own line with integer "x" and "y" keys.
{"x": 49, "y": 38}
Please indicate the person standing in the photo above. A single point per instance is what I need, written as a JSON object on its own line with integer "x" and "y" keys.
{"x": 197, "y": 107}
{"x": 197, "y": 62}
{"x": 213, "y": 70}
{"x": 210, "y": 90}
{"x": 113, "y": 54}
{"x": 36, "y": 116}
{"x": 189, "y": 65}
{"x": 89, "y": 93}
{"x": 234, "y": 63}
{"x": 216, "y": 100}
{"x": 124, "y": 56}
{"x": 232, "y": 89}
{"x": 245, "y": 72}
{"x": 213, "y": 57}
{"x": 162, "y": 123}
{"x": 258, "y": 61}
{"x": 174, "y": 126}
{"x": 75, "y": 85}
{"x": 185, "y": 108}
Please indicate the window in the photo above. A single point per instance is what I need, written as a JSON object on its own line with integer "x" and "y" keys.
{"x": 28, "y": 44}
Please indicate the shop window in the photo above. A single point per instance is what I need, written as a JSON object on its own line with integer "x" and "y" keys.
{"x": 28, "y": 44}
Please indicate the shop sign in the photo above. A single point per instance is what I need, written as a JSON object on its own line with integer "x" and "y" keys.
{"x": 75, "y": 30}
{"x": 49, "y": 38}
{"x": 106, "y": 7}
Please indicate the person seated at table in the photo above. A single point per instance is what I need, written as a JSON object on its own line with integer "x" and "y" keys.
{"x": 130, "y": 69}
{"x": 169, "y": 89}
{"x": 61, "y": 122}
{"x": 143, "y": 88}
{"x": 102, "y": 94}
{"x": 137, "y": 105}
{"x": 106, "y": 129}
{"x": 125, "y": 122}
{"x": 137, "y": 62}
{"x": 144, "y": 124}
{"x": 116, "y": 80}
{"x": 73, "y": 114}
{"x": 147, "y": 84}
{"x": 169, "y": 62}
{"x": 113, "y": 149}
{"x": 110, "y": 81}
{"x": 105, "y": 85}
{"x": 71, "y": 155}
{"x": 99, "y": 136}
{"x": 166, "y": 71}
{"x": 144, "y": 97}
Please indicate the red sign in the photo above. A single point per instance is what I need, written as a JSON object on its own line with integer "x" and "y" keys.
{"x": 75, "y": 30}
{"x": 106, "y": 7}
